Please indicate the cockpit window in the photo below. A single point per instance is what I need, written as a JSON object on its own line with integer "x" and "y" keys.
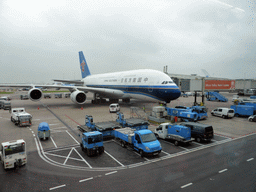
{"x": 167, "y": 82}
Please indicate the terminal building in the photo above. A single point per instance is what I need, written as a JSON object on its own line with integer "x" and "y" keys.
{"x": 195, "y": 83}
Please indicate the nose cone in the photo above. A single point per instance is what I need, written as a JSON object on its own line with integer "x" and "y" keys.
{"x": 171, "y": 94}
{"x": 175, "y": 93}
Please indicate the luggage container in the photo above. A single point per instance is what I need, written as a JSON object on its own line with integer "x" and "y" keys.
{"x": 43, "y": 131}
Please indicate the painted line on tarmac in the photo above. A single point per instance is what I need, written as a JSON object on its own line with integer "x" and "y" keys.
{"x": 72, "y": 119}
{"x": 250, "y": 159}
{"x": 58, "y": 131}
{"x": 73, "y": 137}
{"x": 62, "y": 148}
{"x": 86, "y": 179}
{"x": 50, "y": 161}
{"x": 59, "y": 128}
{"x": 64, "y": 157}
{"x": 166, "y": 153}
{"x": 111, "y": 173}
{"x": 186, "y": 185}
{"x": 57, "y": 187}
{"x": 114, "y": 159}
{"x": 68, "y": 156}
{"x": 223, "y": 170}
{"x": 53, "y": 142}
{"x": 82, "y": 158}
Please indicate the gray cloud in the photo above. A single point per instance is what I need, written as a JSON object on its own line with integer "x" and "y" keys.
{"x": 41, "y": 42}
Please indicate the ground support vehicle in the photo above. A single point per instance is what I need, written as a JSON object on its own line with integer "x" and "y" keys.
{"x": 58, "y": 95}
{"x": 23, "y": 97}
{"x": 247, "y": 92}
{"x": 114, "y": 107}
{"x": 67, "y": 95}
{"x": 212, "y": 96}
{"x": 158, "y": 114}
{"x": 184, "y": 114}
{"x": 43, "y": 131}
{"x": 106, "y": 128}
{"x": 5, "y": 104}
{"x": 6, "y": 98}
{"x": 142, "y": 141}
{"x": 252, "y": 118}
{"x": 13, "y": 154}
{"x": 201, "y": 112}
{"x": 134, "y": 123}
{"x": 199, "y": 131}
{"x": 242, "y": 110}
{"x": 249, "y": 103}
{"x": 178, "y": 133}
{"x": 20, "y": 117}
{"x": 47, "y": 95}
{"x": 223, "y": 112}
{"x": 92, "y": 143}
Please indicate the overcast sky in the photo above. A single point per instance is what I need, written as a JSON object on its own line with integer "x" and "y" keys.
{"x": 40, "y": 40}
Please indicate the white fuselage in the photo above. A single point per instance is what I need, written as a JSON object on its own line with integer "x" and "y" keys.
{"x": 139, "y": 84}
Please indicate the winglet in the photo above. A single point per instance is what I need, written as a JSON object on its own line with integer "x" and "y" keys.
{"x": 83, "y": 65}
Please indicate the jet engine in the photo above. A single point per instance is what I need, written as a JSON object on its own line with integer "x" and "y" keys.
{"x": 78, "y": 97}
{"x": 35, "y": 94}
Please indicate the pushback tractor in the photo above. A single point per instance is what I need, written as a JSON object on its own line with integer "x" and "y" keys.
{"x": 92, "y": 143}
{"x": 13, "y": 154}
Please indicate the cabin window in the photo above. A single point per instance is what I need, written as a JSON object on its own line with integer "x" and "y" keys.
{"x": 139, "y": 80}
{"x": 130, "y": 80}
{"x": 125, "y": 80}
{"x": 122, "y": 80}
{"x": 134, "y": 79}
{"x": 146, "y": 79}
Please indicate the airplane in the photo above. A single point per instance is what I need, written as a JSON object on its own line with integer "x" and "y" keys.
{"x": 142, "y": 84}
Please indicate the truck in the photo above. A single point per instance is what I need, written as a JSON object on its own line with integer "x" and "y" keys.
{"x": 134, "y": 123}
{"x": 106, "y": 128}
{"x": 5, "y": 104}
{"x": 142, "y": 141}
{"x": 20, "y": 117}
{"x": 92, "y": 143}
{"x": 13, "y": 154}
{"x": 200, "y": 132}
{"x": 184, "y": 114}
{"x": 242, "y": 110}
{"x": 193, "y": 113}
{"x": 178, "y": 133}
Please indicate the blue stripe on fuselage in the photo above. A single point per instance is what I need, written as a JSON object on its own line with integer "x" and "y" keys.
{"x": 164, "y": 93}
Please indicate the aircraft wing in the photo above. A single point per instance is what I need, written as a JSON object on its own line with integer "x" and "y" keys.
{"x": 77, "y": 82}
{"x": 104, "y": 92}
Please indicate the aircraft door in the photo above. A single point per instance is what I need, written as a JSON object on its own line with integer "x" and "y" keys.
{"x": 150, "y": 86}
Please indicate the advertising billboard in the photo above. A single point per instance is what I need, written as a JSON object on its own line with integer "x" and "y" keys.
{"x": 219, "y": 84}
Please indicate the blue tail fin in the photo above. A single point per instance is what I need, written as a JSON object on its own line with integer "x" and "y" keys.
{"x": 83, "y": 65}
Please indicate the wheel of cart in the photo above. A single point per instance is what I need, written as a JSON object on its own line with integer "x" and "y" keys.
{"x": 176, "y": 143}
{"x": 123, "y": 144}
{"x": 141, "y": 153}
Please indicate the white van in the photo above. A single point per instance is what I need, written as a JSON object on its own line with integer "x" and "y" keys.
{"x": 114, "y": 107}
{"x": 223, "y": 112}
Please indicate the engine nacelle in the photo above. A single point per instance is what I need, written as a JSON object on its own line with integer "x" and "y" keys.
{"x": 78, "y": 97}
{"x": 35, "y": 94}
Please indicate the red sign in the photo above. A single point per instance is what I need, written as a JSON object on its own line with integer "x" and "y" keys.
{"x": 219, "y": 84}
